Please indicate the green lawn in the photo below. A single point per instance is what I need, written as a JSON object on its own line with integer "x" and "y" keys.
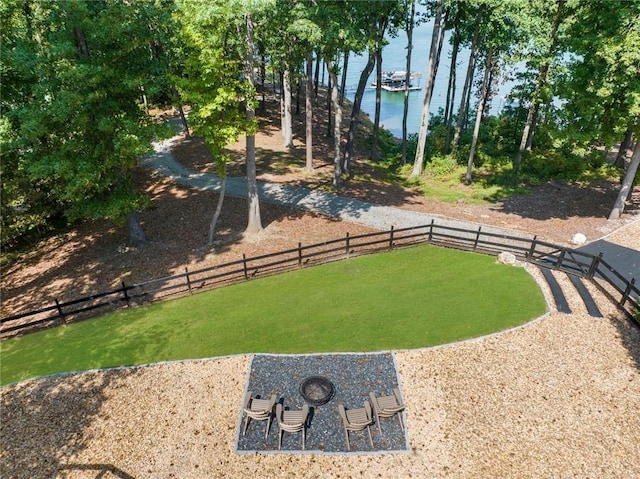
{"x": 410, "y": 298}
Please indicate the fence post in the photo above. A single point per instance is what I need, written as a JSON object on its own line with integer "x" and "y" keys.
{"x": 431, "y": 231}
{"x": 627, "y": 292}
{"x": 532, "y": 249}
{"x": 560, "y": 259}
{"x": 346, "y": 241}
{"x": 594, "y": 266}
{"x": 475, "y": 243}
{"x": 391, "y": 238}
{"x": 244, "y": 263}
{"x": 126, "y": 296}
{"x": 186, "y": 272}
{"x": 299, "y": 254}
{"x": 60, "y": 313}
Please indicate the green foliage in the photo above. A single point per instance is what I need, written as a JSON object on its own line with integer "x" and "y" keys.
{"x": 565, "y": 164}
{"x": 601, "y": 84}
{"x": 212, "y": 80}
{"x": 73, "y": 74}
{"x": 441, "y": 166}
{"x": 469, "y": 295}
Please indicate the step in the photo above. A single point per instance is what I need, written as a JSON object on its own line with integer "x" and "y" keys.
{"x": 556, "y": 290}
{"x": 588, "y": 300}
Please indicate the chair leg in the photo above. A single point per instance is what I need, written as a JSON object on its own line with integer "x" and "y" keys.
{"x": 377, "y": 418}
{"x": 304, "y": 434}
{"x": 346, "y": 433}
{"x": 370, "y": 438}
{"x": 280, "y": 440}
{"x": 246, "y": 423}
{"x": 266, "y": 434}
{"x": 400, "y": 421}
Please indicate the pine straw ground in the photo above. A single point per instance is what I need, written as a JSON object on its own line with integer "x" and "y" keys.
{"x": 558, "y": 398}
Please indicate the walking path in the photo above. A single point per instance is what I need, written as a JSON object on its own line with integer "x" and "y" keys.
{"x": 335, "y": 206}
{"x": 625, "y": 260}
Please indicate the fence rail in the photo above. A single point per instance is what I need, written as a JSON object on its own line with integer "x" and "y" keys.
{"x": 622, "y": 292}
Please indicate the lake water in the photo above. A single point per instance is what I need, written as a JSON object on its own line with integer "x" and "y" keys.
{"x": 394, "y": 58}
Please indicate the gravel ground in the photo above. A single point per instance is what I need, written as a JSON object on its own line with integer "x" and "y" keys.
{"x": 353, "y": 377}
{"x": 557, "y": 398}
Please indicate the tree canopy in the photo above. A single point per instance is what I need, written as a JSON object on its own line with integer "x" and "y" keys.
{"x": 77, "y": 77}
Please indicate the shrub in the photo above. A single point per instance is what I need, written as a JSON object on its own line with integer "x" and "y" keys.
{"x": 441, "y": 166}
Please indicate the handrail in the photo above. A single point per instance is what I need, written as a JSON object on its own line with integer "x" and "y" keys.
{"x": 625, "y": 294}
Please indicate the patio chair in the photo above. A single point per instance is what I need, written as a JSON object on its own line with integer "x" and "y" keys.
{"x": 356, "y": 420}
{"x": 292, "y": 421}
{"x": 258, "y": 409}
{"x": 387, "y": 406}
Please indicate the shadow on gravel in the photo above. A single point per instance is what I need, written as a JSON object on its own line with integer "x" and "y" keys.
{"x": 44, "y": 421}
{"x": 630, "y": 336}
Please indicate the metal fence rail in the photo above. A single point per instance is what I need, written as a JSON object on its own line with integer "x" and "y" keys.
{"x": 625, "y": 294}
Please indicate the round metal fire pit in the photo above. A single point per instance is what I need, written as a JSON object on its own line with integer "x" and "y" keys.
{"x": 317, "y": 390}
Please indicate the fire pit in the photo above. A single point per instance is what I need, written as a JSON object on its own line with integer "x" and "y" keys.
{"x": 317, "y": 390}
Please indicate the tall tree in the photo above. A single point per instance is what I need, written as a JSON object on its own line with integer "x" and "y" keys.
{"x": 409, "y": 29}
{"x": 497, "y": 43}
{"x": 451, "y": 86}
{"x": 437, "y": 39}
{"x": 73, "y": 118}
{"x": 602, "y": 88}
{"x": 218, "y": 74}
{"x": 484, "y": 89}
{"x": 333, "y": 17}
{"x": 552, "y": 14}
{"x": 254, "y": 222}
{"x": 627, "y": 184}
{"x": 466, "y": 90}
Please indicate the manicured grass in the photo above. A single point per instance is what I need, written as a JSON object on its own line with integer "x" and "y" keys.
{"x": 411, "y": 298}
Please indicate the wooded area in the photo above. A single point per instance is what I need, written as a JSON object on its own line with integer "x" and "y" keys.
{"x": 79, "y": 77}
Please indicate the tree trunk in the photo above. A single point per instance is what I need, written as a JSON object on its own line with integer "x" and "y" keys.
{"x": 343, "y": 82}
{"x": 263, "y": 74}
{"x": 543, "y": 72}
{"x": 467, "y": 85}
{"x": 309, "y": 114}
{"x": 329, "y": 109}
{"x": 527, "y": 132}
{"x": 476, "y": 129}
{"x": 405, "y": 110}
{"x": 451, "y": 86}
{"x": 183, "y": 117}
{"x": 254, "y": 223}
{"x": 81, "y": 42}
{"x": 432, "y": 70}
{"x": 376, "y": 118}
{"x": 355, "y": 110}
{"x": 623, "y": 152}
{"x": 136, "y": 233}
{"x": 183, "y": 120}
{"x": 216, "y": 214}
{"x": 287, "y": 131}
{"x": 379, "y": 26}
{"x": 316, "y": 76}
{"x": 337, "y": 122}
{"x": 627, "y": 183}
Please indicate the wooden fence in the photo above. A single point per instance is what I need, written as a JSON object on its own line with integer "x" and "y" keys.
{"x": 624, "y": 293}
